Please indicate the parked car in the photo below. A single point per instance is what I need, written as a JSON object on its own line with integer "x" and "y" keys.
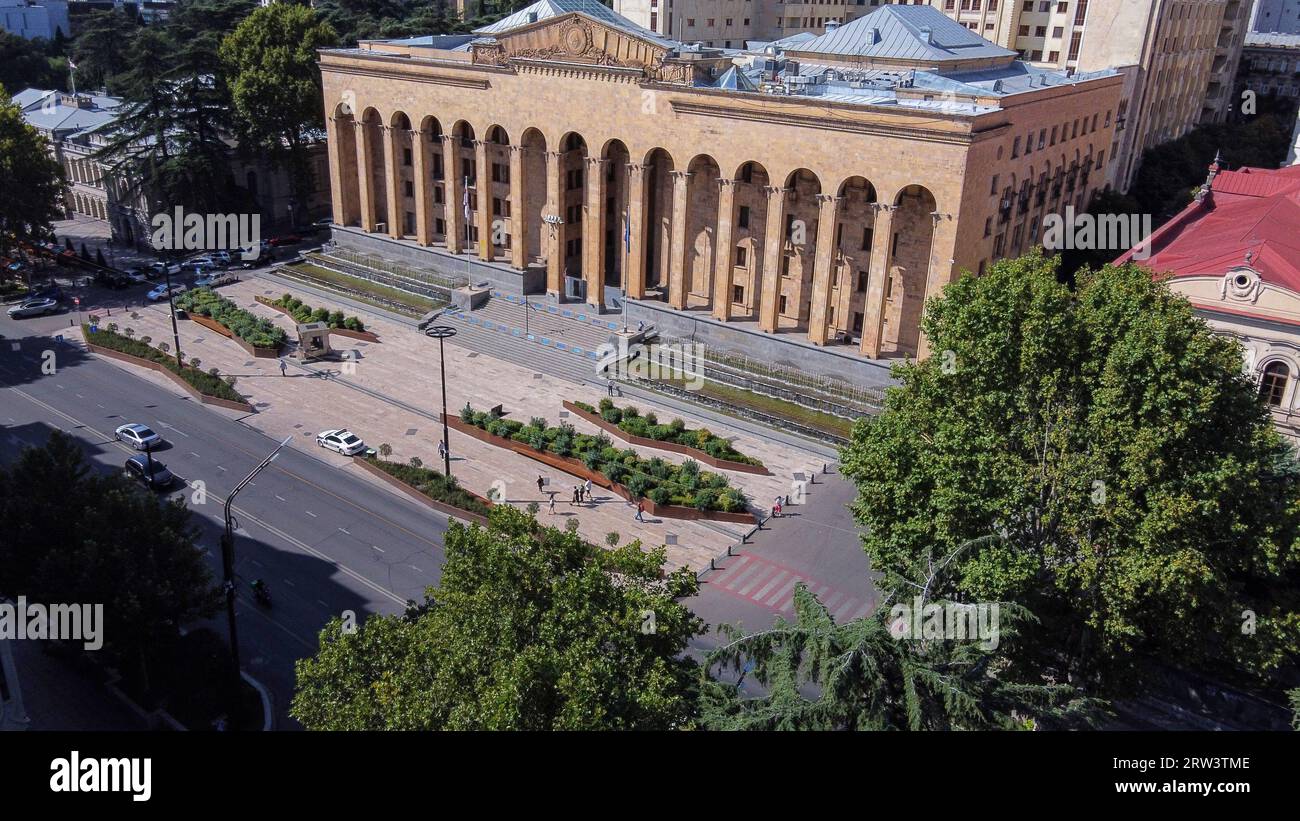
{"x": 160, "y": 292}
{"x": 285, "y": 239}
{"x": 137, "y": 275}
{"x": 163, "y": 268}
{"x": 33, "y": 307}
{"x": 216, "y": 278}
{"x": 341, "y": 440}
{"x": 139, "y": 468}
{"x": 112, "y": 279}
{"x": 140, "y": 437}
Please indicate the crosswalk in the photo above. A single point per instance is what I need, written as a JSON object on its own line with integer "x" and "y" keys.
{"x": 771, "y": 585}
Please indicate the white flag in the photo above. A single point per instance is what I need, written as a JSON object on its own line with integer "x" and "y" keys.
{"x": 465, "y": 198}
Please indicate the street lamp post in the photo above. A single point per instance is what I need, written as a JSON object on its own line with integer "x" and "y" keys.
{"x": 176, "y": 334}
{"x": 441, "y": 332}
{"x": 228, "y": 573}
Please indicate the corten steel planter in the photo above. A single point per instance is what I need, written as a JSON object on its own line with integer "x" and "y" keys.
{"x": 217, "y": 327}
{"x": 673, "y": 447}
{"x": 576, "y": 467}
{"x": 414, "y": 493}
{"x": 364, "y": 336}
{"x": 186, "y": 386}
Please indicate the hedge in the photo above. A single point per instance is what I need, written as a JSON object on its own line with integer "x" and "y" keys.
{"x": 302, "y": 312}
{"x": 432, "y": 484}
{"x": 206, "y": 383}
{"x": 258, "y": 332}
{"x": 661, "y": 481}
{"x": 629, "y": 420}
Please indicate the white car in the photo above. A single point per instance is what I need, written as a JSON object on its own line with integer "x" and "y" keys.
{"x": 341, "y": 440}
{"x": 160, "y": 292}
{"x": 140, "y": 437}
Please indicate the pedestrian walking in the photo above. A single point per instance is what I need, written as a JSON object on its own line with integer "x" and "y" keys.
{"x": 575, "y": 496}
{"x": 540, "y": 483}
{"x": 552, "y": 504}
{"x": 776, "y": 508}
{"x": 610, "y": 387}
{"x": 640, "y": 509}
{"x": 586, "y": 490}
{"x": 283, "y": 368}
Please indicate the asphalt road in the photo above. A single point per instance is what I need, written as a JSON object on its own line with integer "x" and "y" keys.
{"x": 326, "y": 541}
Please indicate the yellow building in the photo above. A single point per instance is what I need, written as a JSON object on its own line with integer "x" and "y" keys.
{"x": 808, "y": 195}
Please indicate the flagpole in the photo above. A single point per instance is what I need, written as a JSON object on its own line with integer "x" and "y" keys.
{"x": 627, "y": 250}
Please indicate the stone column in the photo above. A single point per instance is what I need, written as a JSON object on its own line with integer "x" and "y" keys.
{"x": 773, "y": 251}
{"x": 337, "y": 199}
{"x": 452, "y": 193}
{"x": 593, "y": 233}
{"x": 555, "y": 211}
{"x": 519, "y": 215}
{"x": 677, "y": 254}
{"x": 724, "y": 253}
{"x": 365, "y": 182}
{"x": 936, "y": 276}
{"x": 423, "y": 197}
{"x": 877, "y": 274}
{"x": 483, "y": 187}
{"x": 823, "y": 267}
{"x": 636, "y": 202}
{"x": 393, "y": 172}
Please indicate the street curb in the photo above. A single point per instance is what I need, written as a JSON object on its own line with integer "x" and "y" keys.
{"x": 268, "y": 717}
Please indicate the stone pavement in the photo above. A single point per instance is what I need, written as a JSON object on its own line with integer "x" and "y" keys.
{"x": 391, "y": 395}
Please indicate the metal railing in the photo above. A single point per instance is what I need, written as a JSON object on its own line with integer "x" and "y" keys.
{"x": 449, "y": 282}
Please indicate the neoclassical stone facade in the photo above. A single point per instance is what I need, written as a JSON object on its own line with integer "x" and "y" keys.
{"x": 800, "y": 192}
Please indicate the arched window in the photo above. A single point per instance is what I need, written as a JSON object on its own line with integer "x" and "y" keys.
{"x": 1273, "y": 383}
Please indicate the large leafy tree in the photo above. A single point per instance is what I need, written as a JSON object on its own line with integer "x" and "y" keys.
{"x": 861, "y": 675}
{"x": 109, "y": 543}
{"x": 531, "y": 628}
{"x": 32, "y": 180}
{"x": 270, "y": 59}
{"x": 1138, "y": 500}
{"x": 25, "y": 64}
{"x": 101, "y": 48}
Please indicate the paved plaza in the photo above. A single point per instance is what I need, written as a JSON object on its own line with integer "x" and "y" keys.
{"x": 391, "y": 395}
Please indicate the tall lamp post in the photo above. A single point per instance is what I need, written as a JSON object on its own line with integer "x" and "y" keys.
{"x": 441, "y": 332}
{"x": 176, "y": 334}
{"x": 228, "y": 573}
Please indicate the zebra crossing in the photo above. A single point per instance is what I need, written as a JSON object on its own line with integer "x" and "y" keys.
{"x": 771, "y": 585}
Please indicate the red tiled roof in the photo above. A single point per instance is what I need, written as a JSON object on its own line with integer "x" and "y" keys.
{"x": 1253, "y": 211}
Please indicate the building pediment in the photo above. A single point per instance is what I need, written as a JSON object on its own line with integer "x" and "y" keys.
{"x": 577, "y": 39}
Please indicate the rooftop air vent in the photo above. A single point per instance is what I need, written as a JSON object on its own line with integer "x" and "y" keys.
{"x": 831, "y": 25}
{"x": 532, "y": 17}
{"x": 927, "y": 34}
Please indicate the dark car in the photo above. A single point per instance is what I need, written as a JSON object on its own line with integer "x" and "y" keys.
{"x": 49, "y": 291}
{"x": 138, "y": 467}
{"x": 285, "y": 239}
{"x": 112, "y": 279}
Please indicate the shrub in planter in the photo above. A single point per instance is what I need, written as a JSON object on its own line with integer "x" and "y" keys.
{"x": 660, "y": 495}
{"x": 614, "y": 471}
{"x": 537, "y": 422}
{"x": 337, "y": 319}
{"x": 638, "y": 484}
{"x": 731, "y": 500}
{"x": 611, "y": 415}
{"x": 651, "y": 420}
{"x": 606, "y": 404}
{"x": 591, "y": 459}
{"x": 705, "y": 499}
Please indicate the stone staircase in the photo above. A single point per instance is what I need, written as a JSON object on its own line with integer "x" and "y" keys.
{"x": 558, "y": 339}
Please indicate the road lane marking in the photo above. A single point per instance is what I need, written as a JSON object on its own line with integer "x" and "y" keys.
{"x": 309, "y": 513}
{"x": 278, "y": 496}
{"x": 377, "y": 547}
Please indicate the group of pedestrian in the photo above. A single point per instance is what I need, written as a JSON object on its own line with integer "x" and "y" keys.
{"x": 582, "y": 493}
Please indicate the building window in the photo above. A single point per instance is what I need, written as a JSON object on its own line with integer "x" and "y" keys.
{"x": 742, "y": 256}
{"x": 1040, "y": 31}
{"x": 437, "y": 195}
{"x": 1062, "y": 7}
{"x": 1054, "y": 56}
{"x": 410, "y": 188}
{"x": 993, "y": 5}
{"x": 742, "y": 217}
{"x": 406, "y": 156}
{"x": 781, "y": 308}
{"x": 866, "y": 239}
{"x": 1024, "y": 31}
{"x": 1058, "y": 31}
{"x": 690, "y": 21}
{"x": 1035, "y": 55}
{"x": 862, "y": 281}
{"x": 1074, "y": 45}
{"x": 1272, "y": 385}
{"x": 1028, "y": 5}
{"x": 439, "y": 226}
{"x": 857, "y": 322}
{"x": 738, "y": 293}
{"x": 654, "y": 19}
{"x": 988, "y": 227}
{"x": 730, "y": 22}
{"x": 1015, "y": 149}
{"x": 712, "y": 21}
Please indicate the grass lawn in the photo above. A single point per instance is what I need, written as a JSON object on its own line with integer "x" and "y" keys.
{"x": 780, "y": 408}
{"x": 413, "y": 304}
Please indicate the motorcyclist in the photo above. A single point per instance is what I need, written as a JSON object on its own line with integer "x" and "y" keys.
{"x": 260, "y": 591}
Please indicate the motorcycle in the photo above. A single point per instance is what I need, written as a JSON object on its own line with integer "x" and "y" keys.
{"x": 261, "y": 594}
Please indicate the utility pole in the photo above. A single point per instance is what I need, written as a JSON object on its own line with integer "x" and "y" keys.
{"x": 441, "y": 332}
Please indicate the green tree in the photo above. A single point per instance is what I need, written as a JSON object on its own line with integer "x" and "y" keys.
{"x": 31, "y": 179}
{"x": 1139, "y": 498}
{"x": 862, "y": 676}
{"x": 25, "y": 64}
{"x": 275, "y": 85}
{"x": 100, "y": 50}
{"x": 110, "y": 543}
{"x": 531, "y": 628}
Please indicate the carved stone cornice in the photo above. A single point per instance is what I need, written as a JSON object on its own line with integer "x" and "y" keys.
{"x": 772, "y": 190}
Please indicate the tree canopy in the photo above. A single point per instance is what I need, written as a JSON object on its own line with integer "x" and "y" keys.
{"x": 530, "y": 628}
{"x": 1139, "y": 499}
{"x": 32, "y": 180}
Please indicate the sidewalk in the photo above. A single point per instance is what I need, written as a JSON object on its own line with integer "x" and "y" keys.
{"x": 391, "y": 395}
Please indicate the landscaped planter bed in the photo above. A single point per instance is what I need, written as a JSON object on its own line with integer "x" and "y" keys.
{"x": 213, "y": 325}
{"x": 673, "y": 447}
{"x": 365, "y": 336}
{"x": 577, "y": 467}
{"x": 415, "y": 493}
{"x": 167, "y": 372}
